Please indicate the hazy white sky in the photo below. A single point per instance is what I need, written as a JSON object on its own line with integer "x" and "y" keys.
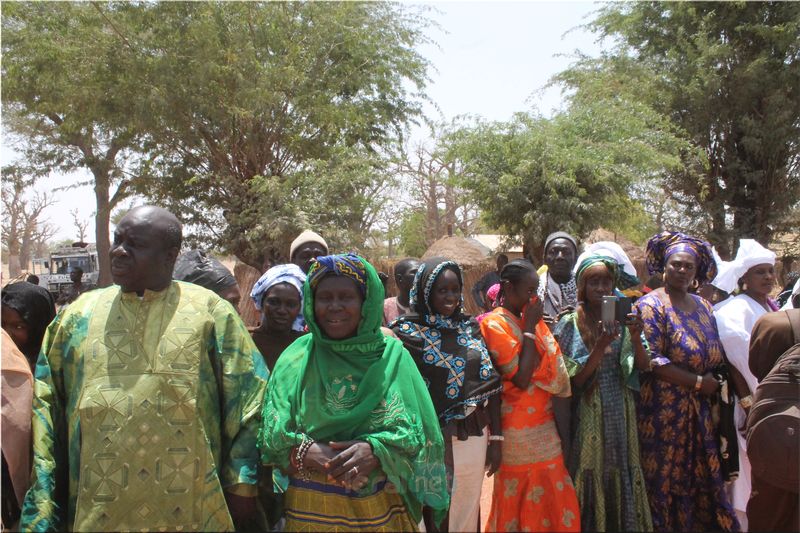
{"x": 490, "y": 59}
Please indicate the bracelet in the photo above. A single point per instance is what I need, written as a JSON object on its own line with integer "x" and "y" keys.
{"x": 699, "y": 383}
{"x": 499, "y": 438}
{"x": 300, "y": 457}
{"x": 746, "y": 402}
{"x": 530, "y": 335}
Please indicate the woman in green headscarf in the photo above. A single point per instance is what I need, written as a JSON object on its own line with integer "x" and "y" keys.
{"x": 348, "y": 416}
{"x": 603, "y": 366}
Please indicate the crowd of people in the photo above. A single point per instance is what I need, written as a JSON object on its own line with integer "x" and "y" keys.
{"x": 148, "y": 405}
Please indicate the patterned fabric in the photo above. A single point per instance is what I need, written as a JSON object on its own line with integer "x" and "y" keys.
{"x": 288, "y": 273}
{"x": 144, "y": 410}
{"x": 678, "y": 438}
{"x": 363, "y": 388}
{"x": 448, "y": 351}
{"x": 317, "y": 505}
{"x": 666, "y": 243}
{"x": 555, "y": 296}
{"x": 532, "y": 489}
{"x": 604, "y": 460}
{"x": 349, "y": 265}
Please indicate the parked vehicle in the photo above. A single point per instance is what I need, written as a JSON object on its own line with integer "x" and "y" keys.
{"x": 54, "y": 271}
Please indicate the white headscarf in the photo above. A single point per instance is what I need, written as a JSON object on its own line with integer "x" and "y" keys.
{"x": 288, "y": 273}
{"x": 795, "y": 292}
{"x": 609, "y": 249}
{"x": 750, "y": 254}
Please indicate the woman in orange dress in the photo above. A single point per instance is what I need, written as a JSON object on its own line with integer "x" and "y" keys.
{"x": 532, "y": 488}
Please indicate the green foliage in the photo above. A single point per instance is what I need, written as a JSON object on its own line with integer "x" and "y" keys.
{"x": 726, "y": 75}
{"x": 412, "y": 234}
{"x": 248, "y": 119}
{"x": 574, "y": 172}
{"x": 268, "y": 111}
{"x": 72, "y": 94}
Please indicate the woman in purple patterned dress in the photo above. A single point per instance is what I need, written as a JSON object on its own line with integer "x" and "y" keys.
{"x": 679, "y": 441}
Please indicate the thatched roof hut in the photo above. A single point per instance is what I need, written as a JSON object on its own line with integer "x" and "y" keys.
{"x": 464, "y": 251}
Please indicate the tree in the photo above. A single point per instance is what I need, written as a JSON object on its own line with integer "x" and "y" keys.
{"x": 532, "y": 176}
{"x": 73, "y": 92}
{"x": 264, "y": 106}
{"x": 430, "y": 178}
{"x": 24, "y": 229}
{"x": 80, "y": 225}
{"x": 727, "y": 76}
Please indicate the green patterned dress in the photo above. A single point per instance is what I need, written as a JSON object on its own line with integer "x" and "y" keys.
{"x": 604, "y": 460}
{"x": 145, "y": 409}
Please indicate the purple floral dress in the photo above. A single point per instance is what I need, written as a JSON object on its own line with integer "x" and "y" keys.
{"x": 679, "y": 443}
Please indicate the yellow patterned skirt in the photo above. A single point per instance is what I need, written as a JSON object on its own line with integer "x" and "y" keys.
{"x": 317, "y": 505}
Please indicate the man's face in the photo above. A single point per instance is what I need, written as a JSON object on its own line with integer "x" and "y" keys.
{"x": 140, "y": 258}
{"x": 305, "y": 253}
{"x": 232, "y": 295}
{"x": 560, "y": 257}
{"x": 76, "y": 275}
{"x": 405, "y": 278}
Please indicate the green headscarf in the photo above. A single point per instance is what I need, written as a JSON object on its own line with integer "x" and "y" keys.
{"x": 365, "y": 388}
{"x": 596, "y": 259}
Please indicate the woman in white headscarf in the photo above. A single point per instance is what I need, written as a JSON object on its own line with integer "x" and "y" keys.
{"x": 794, "y": 299}
{"x": 753, "y": 272}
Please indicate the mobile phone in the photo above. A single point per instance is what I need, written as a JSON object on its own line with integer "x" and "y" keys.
{"x": 608, "y": 312}
{"x": 623, "y": 309}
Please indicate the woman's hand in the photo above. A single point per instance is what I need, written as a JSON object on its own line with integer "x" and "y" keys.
{"x": 494, "y": 453}
{"x": 606, "y": 337}
{"x": 532, "y": 314}
{"x": 352, "y": 465}
{"x": 635, "y": 326}
{"x": 318, "y": 456}
{"x": 709, "y": 385}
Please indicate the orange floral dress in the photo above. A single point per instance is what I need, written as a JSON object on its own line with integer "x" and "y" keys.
{"x": 532, "y": 489}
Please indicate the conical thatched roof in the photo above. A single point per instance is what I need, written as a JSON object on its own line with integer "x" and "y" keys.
{"x": 465, "y": 252}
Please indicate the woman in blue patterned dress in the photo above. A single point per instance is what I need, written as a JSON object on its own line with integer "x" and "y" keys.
{"x": 679, "y": 441}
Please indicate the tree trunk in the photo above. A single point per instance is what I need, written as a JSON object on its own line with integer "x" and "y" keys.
{"x": 14, "y": 269}
{"x": 101, "y": 221}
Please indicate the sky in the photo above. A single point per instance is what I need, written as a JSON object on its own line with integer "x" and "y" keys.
{"x": 489, "y": 59}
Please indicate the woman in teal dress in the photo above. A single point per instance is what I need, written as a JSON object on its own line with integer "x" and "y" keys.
{"x": 603, "y": 366}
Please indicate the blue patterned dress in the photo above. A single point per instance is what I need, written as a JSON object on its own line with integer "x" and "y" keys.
{"x": 678, "y": 439}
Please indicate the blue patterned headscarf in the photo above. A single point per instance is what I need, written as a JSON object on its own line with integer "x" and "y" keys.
{"x": 667, "y": 243}
{"x": 428, "y": 272}
{"x": 288, "y": 273}
{"x": 349, "y": 265}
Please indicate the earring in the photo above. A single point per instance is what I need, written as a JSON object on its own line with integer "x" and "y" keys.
{"x": 744, "y": 287}
{"x": 695, "y": 284}
{"x": 663, "y": 277}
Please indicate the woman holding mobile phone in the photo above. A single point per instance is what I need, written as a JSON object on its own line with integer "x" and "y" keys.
{"x": 604, "y": 363}
{"x": 532, "y": 488}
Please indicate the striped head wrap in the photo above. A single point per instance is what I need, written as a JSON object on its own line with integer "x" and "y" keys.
{"x": 349, "y": 265}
